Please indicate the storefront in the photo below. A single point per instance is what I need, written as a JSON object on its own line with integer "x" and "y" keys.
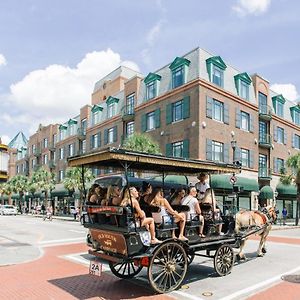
{"x": 287, "y": 197}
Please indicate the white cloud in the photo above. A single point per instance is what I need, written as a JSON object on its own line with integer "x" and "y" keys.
{"x": 288, "y": 90}
{"x": 5, "y": 139}
{"x": 251, "y": 7}
{"x": 2, "y": 60}
{"x": 57, "y": 92}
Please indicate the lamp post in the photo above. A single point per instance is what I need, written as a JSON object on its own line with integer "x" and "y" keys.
{"x": 233, "y": 146}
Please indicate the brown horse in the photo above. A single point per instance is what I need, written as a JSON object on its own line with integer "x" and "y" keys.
{"x": 246, "y": 220}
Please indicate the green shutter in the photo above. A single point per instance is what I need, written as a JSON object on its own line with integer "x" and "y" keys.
{"x": 284, "y": 136}
{"x": 115, "y": 137}
{"x": 105, "y": 136}
{"x": 157, "y": 118}
{"x": 186, "y": 107}
{"x": 209, "y": 104}
{"x": 169, "y": 113}
{"x": 250, "y": 123}
{"x": 226, "y": 153}
{"x": 275, "y": 133}
{"x": 91, "y": 141}
{"x": 186, "y": 149}
{"x": 275, "y": 165}
{"x": 293, "y": 140}
{"x": 237, "y": 154}
{"x": 237, "y": 118}
{"x": 226, "y": 113}
{"x": 99, "y": 139}
{"x": 144, "y": 123}
{"x": 208, "y": 149}
{"x": 251, "y": 159}
{"x": 169, "y": 151}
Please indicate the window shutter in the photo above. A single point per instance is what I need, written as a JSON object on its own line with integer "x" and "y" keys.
{"x": 99, "y": 139}
{"x": 226, "y": 153}
{"x": 157, "y": 118}
{"x": 186, "y": 149}
{"x": 226, "y": 113}
{"x": 293, "y": 140}
{"x": 251, "y": 159}
{"x": 284, "y": 137}
{"x": 91, "y": 141}
{"x": 209, "y": 105}
{"x": 237, "y": 154}
{"x": 208, "y": 149}
{"x": 105, "y": 136}
{"x": 144, "y": 123}
{"x": 250, "y": 123}
{"x": 186, "y": 107}
{"x": 237, "y": 118}
{"x": 169, "y": 151}
{"x": 275, "y": 165}
{"x": 275, "y": 133}
{"x": 169, "y": 113}
{"x": 115, "y": 138}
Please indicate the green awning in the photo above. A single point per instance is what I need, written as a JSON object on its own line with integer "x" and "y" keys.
{"x": 15, "y": 196}
{"x": 266, "y": 192}
{"x": 286, "y": 191}
{"x": 60, "y": 191}
{"x": 4, "y": 197}
{"x": 222, "y": 182}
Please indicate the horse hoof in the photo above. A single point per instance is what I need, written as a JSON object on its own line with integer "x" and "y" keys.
{"x": 264, "y": 250}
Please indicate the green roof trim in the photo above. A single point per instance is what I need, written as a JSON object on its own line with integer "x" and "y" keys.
{"x": 111, "y": 100}
{"x": 72, "y": 121}
{"x": 151, "y": 77}
{"x": 222, "y": 182}
{"x": 286, "y": 191}
{"x": 178, "y": 62}
{"x": 243, "y": 77}
{"x": 295, "y": 108}
{"x": 217, "y": 61}
{"x": 278, "y": 98}
{"x": 63, "y": 127}
{"x": 96, "y": 108}
{"x": 266, "y": 192}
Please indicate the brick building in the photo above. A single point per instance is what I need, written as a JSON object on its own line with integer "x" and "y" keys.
{"x": 197, "y": 106}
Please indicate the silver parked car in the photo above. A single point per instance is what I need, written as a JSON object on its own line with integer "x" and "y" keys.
{"x": 8, "y": 210}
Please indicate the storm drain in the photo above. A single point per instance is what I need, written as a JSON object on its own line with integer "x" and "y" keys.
{"x": 291, "y": 278}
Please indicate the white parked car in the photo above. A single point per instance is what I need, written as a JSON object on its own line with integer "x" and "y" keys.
{"x": 8, "y": 210}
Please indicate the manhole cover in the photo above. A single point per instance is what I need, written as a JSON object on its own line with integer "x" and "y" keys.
{"x": 291, "y": 278}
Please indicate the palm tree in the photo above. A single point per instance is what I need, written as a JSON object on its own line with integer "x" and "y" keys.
{"x": 6, "y": 189}
{"x": 44, "y": 181}
{"x": 73, "y": 181}
{"x": 19, "y": 184}
{"x": 141, "y": 142}
{"x": 293, "y": 162}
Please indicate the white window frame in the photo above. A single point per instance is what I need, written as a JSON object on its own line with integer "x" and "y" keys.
{"x": 176, "y": 75}
{"x": 151, "y": 90}
{"x": 245, "y": 121}
{"x": 61, "y": 153}
{"x": 150, "y": 119}
{"x": 217, "y": 151}
{"x": 110, "y": 135}
{"x": 245, "y": 157}
{"x": 177, "y": 111}
{"x": 217, "y": 71}
{"x": 111, "y": 110}
{"x": 177, "y": 149}
{"x": 129, "y": 128}
{"x": 218, "y": 110}
{"x": 280, "y": 135}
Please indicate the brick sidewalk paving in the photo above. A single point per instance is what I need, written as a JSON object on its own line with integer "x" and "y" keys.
{"x": 54, "y": 277}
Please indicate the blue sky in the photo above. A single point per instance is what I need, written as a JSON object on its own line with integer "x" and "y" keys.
{"x": 52, "y": 52}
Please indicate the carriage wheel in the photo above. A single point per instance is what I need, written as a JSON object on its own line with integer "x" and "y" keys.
{"x": 223, "y": 260}
{"x": 167, "y": 267}
{"x": 125, "y": 269}
{"x": 190, "y": 257}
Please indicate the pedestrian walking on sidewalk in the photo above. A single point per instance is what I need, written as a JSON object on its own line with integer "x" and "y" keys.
{"x": 284, "y": 215}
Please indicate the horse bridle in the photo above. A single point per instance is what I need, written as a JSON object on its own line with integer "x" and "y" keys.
{"x": 268, "y": 215}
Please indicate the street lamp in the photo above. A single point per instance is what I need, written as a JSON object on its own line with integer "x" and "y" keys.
{"x": 233, "y": 146}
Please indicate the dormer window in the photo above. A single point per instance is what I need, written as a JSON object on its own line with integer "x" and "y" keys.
{"x": 152, "y": 85}
{"x": 179, "y": 69}
{"x": 215, "y": 68}
{"x": 96, "y": 110}
{"x": 111, "y": 106}
{"x": 72, "y": 126}
{"x": 295, "y": 112}
{"x": 242, "y": 84}
{"x": 62, "y": 132}
{"x": 278, "y": 105}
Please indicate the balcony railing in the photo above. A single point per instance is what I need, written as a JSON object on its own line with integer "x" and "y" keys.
{"x": 81, "y": 133}
{"x": 264, "y": 173}
{"x": 127, "y": 112}
{"x": 265, "y": 112}
{"x": 265, "y": 140}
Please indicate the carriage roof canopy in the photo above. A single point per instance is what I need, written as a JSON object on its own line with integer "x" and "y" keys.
{"x": 139, "y": 161}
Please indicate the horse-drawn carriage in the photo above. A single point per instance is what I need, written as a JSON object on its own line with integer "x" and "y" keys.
{"x": 127, "y": 248}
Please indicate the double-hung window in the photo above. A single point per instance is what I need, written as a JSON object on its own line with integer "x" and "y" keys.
{"x": 279, "y": 109}
{"x": 217, "y": 76}
{"x": 60, "y": 175}
{"x": 245, "y": 121}
{"x": 217, "y": 151}
{"x": 45, "y": 143}
{"x": 279, "y": 168}
{"x": 245, "y": 156}
{"x": 244, "y": 92}
{"x": 95, "y": 141}
{"x": 177, "y": 149}
{"x": 296, "y": 141}
{"x": 150, "y": 121}
{"x": 178, "y": 76}
{"x": 45, "y": 159}
{"x": 177, "y": 111}
{"x": 218, "y": 110}
{"x": 71, "y": 150}
{"x": 61, "y": 153}
{"x": 130, "y": 104}
{"x": 111, "y": 110}
{"x": 280, "y": 135}
{"x": 129, "y": 128}
{"x": 110, "y": 135}
{"x": 151, "y": 90}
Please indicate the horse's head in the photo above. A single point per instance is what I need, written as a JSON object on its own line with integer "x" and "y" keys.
{"x": 270, "y": 213}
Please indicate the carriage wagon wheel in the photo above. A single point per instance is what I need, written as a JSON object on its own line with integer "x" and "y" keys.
{"x": 125, "y": 269}
{"x": 223, "y": 260}
{"x": 167, "y": 267}
{"x": 190, "y": 257}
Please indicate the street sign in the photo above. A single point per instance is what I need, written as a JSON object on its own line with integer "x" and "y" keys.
{"x": 95, "y": 268}
{"x": 233, "y": 179}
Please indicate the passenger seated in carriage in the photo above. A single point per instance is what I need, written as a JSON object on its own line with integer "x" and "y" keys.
{"x": 140, "y": 217}
{"x": 210, "y": 199}
{"x": 145, "y": 194}
{"x": 178, "y": 196}
{"x": 113, "y": 196}
{"x": 166, "y": 212}
{"x": 195, "y": 212}
{"x": 94, "y": 194}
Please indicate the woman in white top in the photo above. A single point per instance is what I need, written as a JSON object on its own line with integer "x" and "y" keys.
{"x": 191, "y": 201}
